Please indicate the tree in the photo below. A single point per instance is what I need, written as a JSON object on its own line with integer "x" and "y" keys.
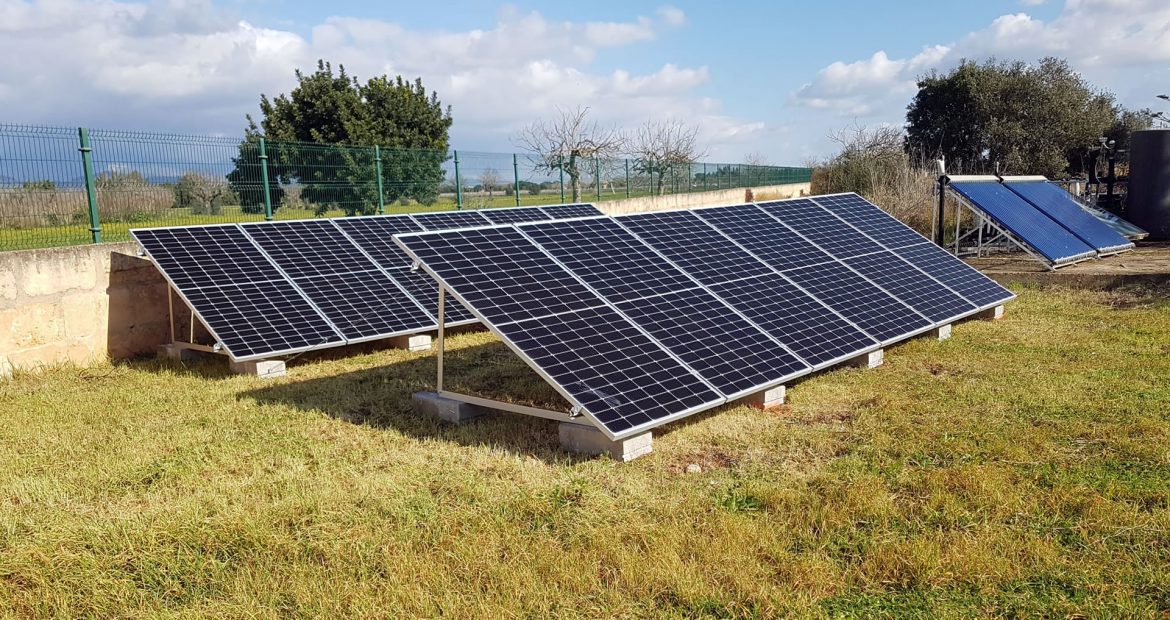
{"x": 490, "y": 179}
{"x": 664, "y": 148}
{"x": 409, "y": 125}
{"x": 1027, "y": 118}
{"x": 202, "y": 194}
{"x": 567, "y": 142}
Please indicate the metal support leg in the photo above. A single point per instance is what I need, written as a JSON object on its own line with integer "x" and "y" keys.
{"x": 171, "y": 310}
{"x": 442, "y": 325}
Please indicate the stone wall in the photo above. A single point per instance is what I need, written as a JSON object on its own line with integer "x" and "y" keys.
{"x": 79, "y": 304}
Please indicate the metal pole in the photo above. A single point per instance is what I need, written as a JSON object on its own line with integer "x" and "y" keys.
{"x": 958, "y": 220}
{"x": 439, "y": 347}
{"x": 597, "y": 176}
{"x": 561, "y": 166}
{"x": 171, "y": 310}
{"x": 704, "y": 177}
{"x": 264, "y": 180}
{"x": 516, "y": 179}
{"x": 627, "y": 178}
{"x": 378, "y": 171}
{"x": 95, "y": 224}
{"x": 938, "y": 212}
{"x": 458, "y": 184}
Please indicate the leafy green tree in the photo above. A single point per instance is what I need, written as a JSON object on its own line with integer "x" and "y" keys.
{"x": 1028, "y": 118}
{"x": 410, "y": 125}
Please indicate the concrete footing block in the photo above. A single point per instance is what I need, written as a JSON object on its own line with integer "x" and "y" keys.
{"x": 992, "y": 314}
{"x": 417, "y": 342}
{"x": 873, "y": 359}
{"x": 942, "y": 332}
{"x": 446, "y": 409}
{"x": 586, "y": 439}
{"x": 766, "y": 399}
{"x": 177, "y": 353}
{"x": 265, "y": 369}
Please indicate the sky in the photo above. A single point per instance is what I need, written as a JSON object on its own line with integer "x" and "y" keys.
{"x": 766, "y": 79}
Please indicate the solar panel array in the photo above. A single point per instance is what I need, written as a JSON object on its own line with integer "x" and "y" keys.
{"x": 1042, "y": 216}
{"x": 641, "y": 319}
{"x": 266, "y": 289}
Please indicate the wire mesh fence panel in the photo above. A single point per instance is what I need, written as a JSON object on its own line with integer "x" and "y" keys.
{"x": 43, "y": 200}
{"x": 62, "y": 186}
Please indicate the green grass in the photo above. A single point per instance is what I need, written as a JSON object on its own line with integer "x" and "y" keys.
{"x": 1019, "y": 469}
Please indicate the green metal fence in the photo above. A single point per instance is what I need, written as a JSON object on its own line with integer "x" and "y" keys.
{"x": 67, "y": 186}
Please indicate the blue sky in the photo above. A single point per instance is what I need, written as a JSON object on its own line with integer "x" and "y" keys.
{"x": 764, "y": 78}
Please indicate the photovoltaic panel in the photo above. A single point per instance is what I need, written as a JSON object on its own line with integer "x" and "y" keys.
{"x": 308, "y": 247}
{"x": 961, "y": 277}
{"x": 515, "y": 214}
{"x": 1037, "y": 230}
{"x": 1057, "y": 204}
{"x": 821, "y": 227}
{"x": 375, "y": 235}
{"x": 501, "y": 273}
{"x": 763, "y": 236}
{"x": 564, "y": 212}
{"x": 899, "y": 278}
{"x": 608, "y": 258}
{"x": 245, "y": 301}
{"x": 795, "y": 318}
{"x": 365, "y": 305}
{"x": 424, "y": 289}
{"x": 604, "y": 363}
{"x": 203, "y": 256}
{"x": 870, "y": 218}
{"x": 860, "y": 301}
{"x": 725, "y": 349}
{"x": 694, "y": 245}
{"x": 448, "y": 220}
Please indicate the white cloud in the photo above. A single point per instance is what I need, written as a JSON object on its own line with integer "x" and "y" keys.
{"x": 191, "y": 66}
{"x": 1101, "y": 38}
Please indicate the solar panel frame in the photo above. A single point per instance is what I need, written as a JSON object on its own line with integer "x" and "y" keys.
{"x": 571, "y": 211}
{"x": 765, "y": 237}
{"x": 968, "y": 282}
{"x": 1057, "y": 204}
{"x": 694, "y": 246}
{"x": 208, "y": 323}
{"x": 907, "y": 283}
{"x": 821, "y": 227}
{"x": 515, "y": 215}
{"x": 870, "y": 219}
{"x": 457, "y": 219}
{"x": 884, "y": 313}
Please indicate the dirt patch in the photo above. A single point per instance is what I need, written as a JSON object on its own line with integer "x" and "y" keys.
{"x": 708, "y": 459}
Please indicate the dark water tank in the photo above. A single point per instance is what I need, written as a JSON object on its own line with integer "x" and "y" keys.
{"x": 1149, "y": 181}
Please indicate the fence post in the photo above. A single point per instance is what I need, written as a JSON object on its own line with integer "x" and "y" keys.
{"x": 516, "y": 179}
{"x": 264, "y": 180}
{"x": 627, "y": 178}
{"x": 378, "y": 171}
{"x": 561, "y": 166}
{"x": 704, "y": 177}
{"x": 597, "y": 175}
{"x": 95, "y": 223}
{"x": 458, "y": 184}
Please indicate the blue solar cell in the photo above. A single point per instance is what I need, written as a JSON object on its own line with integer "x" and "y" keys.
{"x": 375, "y": 235}
{"x": 607, "y": 257}
{"x": 821, "y": 227}
{"x": 961, "y": 277}
{"x": 760, "y": 233}
{"x": 875, "y": 311}
{"x": 918, "y": 290}
{"x": 515, "y": 215}
{"x": 694, "y": 246}
{"x": 725, "y": 349}
{"x": 1020, "y": 218}
{"x": 563, "y": 212}
{"x": 447, "y": 220}
{"x": 1061, "y": 207}
{"x": 868, "y": 217}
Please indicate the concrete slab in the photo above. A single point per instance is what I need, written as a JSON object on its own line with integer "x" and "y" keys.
{"x": 943, "y": 332}
{"x": 265, "y": 369}
{"x": 766, "y": 399}
{"x": 992, "y": 314}
{"x": 586, "y": 439}
{"x": 873, "y": 359}
{"x": 417, "y": 342}
{"x": 446, "y": 409}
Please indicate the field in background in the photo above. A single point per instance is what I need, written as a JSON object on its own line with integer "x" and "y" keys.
{"x": 1019, "y": 469}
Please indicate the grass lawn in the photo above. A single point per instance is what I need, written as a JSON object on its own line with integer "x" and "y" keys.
{"x": 1020, "y": 469}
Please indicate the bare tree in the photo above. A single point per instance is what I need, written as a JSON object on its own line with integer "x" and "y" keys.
{"x": 568, "y": 141}
{"x": 755, "y": 158}
{"x": 490, "y": 179}
{"x": 665, "y": 147}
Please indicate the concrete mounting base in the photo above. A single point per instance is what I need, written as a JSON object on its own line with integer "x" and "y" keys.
{"x": 766, "y": 399}
{"x": 446, "y": 409}
{"x": 177, "y": 353}
{"x": 942, "y": 332}
{"x": 873, "y": 359}
{"x": 589, "y": 440}
{"x": 417, "y": 342}
{"x": 265, "y": 369}
{"x": 992, "y": 314}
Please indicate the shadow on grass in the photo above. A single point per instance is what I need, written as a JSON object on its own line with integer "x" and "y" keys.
{"x": 380, "y": 397}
